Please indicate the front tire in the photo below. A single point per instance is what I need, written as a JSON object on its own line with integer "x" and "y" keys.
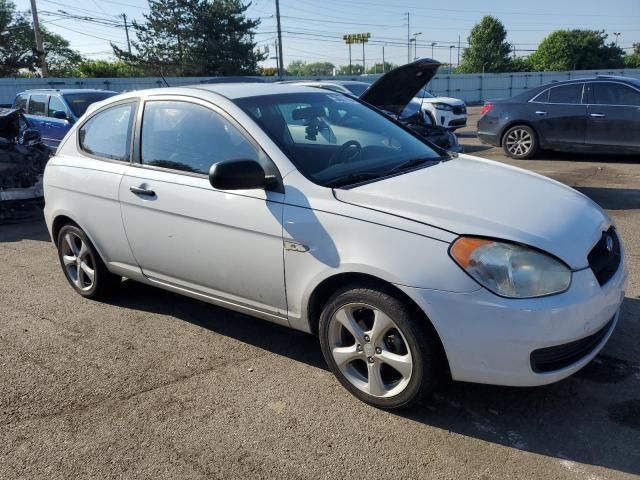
{"x": 520, "y": 142}
{"x": 82, "y": 266}
{"x": 378, "y": 348}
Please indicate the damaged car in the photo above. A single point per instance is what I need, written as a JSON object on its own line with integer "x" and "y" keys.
{"x": 394, "y": 94}
{"x": 23, "y": 157}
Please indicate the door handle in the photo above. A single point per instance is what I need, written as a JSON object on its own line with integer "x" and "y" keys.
{"x": 142, "y": 191}
{"x": 540, "y": 112}
{"x": 597, "y": 115}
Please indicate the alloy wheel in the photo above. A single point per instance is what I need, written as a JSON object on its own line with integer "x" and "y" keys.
{"x": 519, "y": 142}
{"x": 370, "y": 350}
{"x": 78, "y": 261}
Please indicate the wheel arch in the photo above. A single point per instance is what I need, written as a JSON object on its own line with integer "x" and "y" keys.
{"x": 514, "y": 123}
{"x": 330, "y": 285}
{"x": 60, "y": 220}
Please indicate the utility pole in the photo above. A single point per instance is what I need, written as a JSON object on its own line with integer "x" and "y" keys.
{"x": 126, "y": 31}
{"x": 280, "y": 55}
{"x": 458, "y": 62}
{"x": 617, "y": 34}
{"x": 383, "y": 65}
{"x": 364, "y": 65}
{"x": 451, "y": 47}
{"x": 37, "y": 33}
{"x": 433, "y": 44}
{"x": 408, "y": 38}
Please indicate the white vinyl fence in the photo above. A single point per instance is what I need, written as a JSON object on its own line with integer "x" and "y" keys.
{"x": 472, "y": 88}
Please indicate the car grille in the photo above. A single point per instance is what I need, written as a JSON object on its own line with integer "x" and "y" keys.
{"x": 560, "y": 356}
{"x": 604, "y": 258}
{"x": 459, "y": 109}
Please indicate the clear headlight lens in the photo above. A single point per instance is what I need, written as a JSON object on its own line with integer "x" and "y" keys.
{"x": 510, "y": 270}
{"x": 442, "y": 106}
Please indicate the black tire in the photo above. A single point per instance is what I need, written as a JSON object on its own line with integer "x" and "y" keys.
{"x": 520, "y": 142}
{"x": 104, "y": 283}
{"x": 428, "y": 364}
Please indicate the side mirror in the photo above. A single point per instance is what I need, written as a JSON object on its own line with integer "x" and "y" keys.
{"x": 30, "y": 137}
{"x": 237, "y": 175}
{"x": 60, "y": 115}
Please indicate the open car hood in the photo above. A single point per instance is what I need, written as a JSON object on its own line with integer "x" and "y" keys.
{"x": 394, "y": 90}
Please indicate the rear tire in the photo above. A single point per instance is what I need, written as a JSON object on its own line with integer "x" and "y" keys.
{"x": 82, "y": 266}
{"x": 378, "y": 348}
{"x": 520, "y": 142}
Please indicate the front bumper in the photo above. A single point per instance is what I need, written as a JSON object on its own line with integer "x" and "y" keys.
{"x": 489, "y": 339}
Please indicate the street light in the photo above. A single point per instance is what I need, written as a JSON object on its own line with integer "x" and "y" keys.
{"x": 415, "y": 45}
{"x": 617, "y": 34}
{"x": 433, "y": 44}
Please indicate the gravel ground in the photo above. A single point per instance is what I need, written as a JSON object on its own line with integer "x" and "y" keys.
{"x": 153, "y": 385}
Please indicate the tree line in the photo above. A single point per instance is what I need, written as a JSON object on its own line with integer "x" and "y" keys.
{"x": 216, "y": 38}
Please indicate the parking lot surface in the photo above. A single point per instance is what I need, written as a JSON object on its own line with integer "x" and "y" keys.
{"x": 154, "y": 385}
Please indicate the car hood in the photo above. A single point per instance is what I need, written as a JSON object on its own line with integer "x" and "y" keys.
{"x": 395, "y": 89}
{"x": 472, "y": 196}
{"x": 447, "y": 100}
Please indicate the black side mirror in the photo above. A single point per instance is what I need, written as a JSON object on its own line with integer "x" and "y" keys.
{"x": 237, "y": 175}
{"x": 30, "y": 137}
{"x": 60, "y": 115}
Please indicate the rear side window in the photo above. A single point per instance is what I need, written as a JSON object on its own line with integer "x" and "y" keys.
{"x": 189, "y": 137}
{"x": 38, "y": 104}
{"x": 571, "y": 93}
{"x": 20, "y": 102}
{"x": 108, "y": 133}
{"x": 614, "y": 94}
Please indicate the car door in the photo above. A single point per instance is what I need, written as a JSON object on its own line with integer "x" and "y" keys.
{"x": 37, "y": 115}
{"x": 57, "y": 128}
{"x": 225, "y": 245}
{"x": 613, "y": 115}
{"x": 559, "y": 115}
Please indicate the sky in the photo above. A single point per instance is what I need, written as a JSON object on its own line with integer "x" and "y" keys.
{"x": 313, "y": 29}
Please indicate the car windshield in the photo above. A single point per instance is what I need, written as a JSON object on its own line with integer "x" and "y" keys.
{"x": 335, "y": 140}
{"x": 424, "y": 93}
{"x": 356, "y": 88}
{"x": 79, "y": 102}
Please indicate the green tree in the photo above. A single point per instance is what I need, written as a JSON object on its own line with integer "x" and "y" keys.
{"x": 576, "y": 50}
{"x": 318, "y": 69}
{"x": 18, "y": 50}
{"x": 195, "y": 38}
{"x": 520, "y": 64}
{"x": 295, "y": 68}
{"x": 378, "y": 67}
{"x": 488, "y": 49}
{"x": 633, "y": 59}
{"x": 108, "y": 69}
{"x": 356, "y": 69}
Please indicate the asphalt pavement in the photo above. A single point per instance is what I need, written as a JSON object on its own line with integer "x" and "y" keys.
{"x": 154, "y": 385}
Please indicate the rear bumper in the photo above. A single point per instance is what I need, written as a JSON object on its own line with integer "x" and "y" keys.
{"x": 490, "y": 340}
{"x": 489, "y": 138}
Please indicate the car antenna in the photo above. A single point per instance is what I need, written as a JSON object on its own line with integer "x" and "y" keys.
{"x": 164, "y": 79}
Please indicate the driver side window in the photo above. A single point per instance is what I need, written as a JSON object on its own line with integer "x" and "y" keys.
{"x": 190, "y": 137}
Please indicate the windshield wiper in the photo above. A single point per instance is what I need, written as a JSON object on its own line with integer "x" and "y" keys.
{"x": 414, "y": 162}
{"x": 351, "y": 178}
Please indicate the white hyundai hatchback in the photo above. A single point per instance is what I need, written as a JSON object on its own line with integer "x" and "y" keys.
{"x": 313, "y": 210}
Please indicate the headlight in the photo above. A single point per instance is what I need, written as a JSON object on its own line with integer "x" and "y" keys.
{"x": 443, "y": 106}
{"x": 510, "y": 270}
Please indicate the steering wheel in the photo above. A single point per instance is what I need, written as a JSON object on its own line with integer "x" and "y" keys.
{"x": 344, "y": 148}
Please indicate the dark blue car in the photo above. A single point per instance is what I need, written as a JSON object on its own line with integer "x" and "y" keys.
{"x": 53, "y": 111}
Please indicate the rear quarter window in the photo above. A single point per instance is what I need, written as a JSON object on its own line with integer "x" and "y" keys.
{"x": 107, "y": 134}
{"x": 38, "y": 105}
{"x": 20, "y": 102}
